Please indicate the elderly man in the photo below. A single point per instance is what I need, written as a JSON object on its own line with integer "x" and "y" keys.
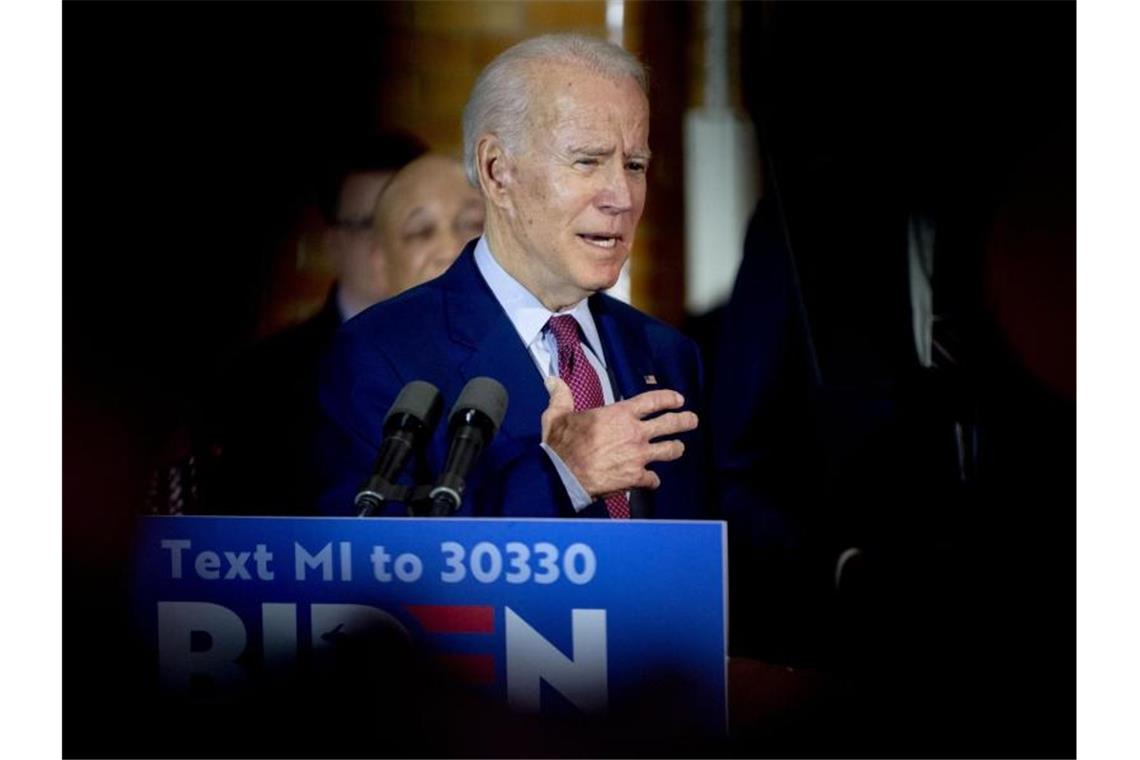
{"x": 556, "y": 139}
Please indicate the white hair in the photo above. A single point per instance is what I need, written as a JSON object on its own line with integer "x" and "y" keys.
{"x": 502, "y": 94}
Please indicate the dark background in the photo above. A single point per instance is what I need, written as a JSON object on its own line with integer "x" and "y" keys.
{"x": 870, "y": 112}
{"x": 191, "y": 140}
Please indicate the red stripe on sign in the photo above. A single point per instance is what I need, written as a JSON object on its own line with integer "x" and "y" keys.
{"x": 440, "y": 618}
{"x": 472, "y": 668}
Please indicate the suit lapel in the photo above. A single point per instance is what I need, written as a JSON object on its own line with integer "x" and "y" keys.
{"x": 627, "y": 356}
{"x": 478, "y": 325}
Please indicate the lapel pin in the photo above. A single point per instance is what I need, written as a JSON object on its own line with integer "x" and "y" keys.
{"x": 651, "y": 380}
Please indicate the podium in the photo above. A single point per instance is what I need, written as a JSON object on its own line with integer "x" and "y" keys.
{"x": 411, "y": 630}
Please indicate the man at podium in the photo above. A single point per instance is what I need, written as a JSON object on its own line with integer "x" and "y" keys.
{"x": 600, "y": 419}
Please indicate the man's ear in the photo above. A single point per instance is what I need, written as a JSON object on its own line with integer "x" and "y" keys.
{"x": 495, "y": 168}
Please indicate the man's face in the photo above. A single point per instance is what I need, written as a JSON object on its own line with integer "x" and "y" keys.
{"x": 578, "y": 183}
{"x": 360, "y": 272}
{"x": 424, "y": 219}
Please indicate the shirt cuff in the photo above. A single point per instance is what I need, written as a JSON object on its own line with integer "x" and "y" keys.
{"x": 579, "y": 499}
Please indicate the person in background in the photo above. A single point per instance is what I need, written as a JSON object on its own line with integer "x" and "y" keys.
{"x": 348, "y": 202}
{"x": 422, "y": 220}
{"x": 249, "y": 452}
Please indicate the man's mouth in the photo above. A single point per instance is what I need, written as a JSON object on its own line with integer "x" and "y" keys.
{"x": 601, "y": 240}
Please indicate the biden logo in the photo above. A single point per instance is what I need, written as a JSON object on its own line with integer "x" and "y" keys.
{"x": 204, "y": 648}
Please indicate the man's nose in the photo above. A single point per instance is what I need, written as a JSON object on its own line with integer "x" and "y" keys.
{"x": 616, "y": 197}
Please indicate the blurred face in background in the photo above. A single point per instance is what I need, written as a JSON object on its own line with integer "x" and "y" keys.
{"x": 349, "y": 242}
{"x": 423, "y": 219}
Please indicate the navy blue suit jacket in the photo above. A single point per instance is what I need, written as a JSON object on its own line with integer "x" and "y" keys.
{"x": 452, "y": 329}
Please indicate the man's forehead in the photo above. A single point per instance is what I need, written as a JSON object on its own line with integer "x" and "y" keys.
{"x": 595, "y": 129}
{"x": 428, "y": 174}
{"x": 430, "y": 177}
{"x": 581, "y": 102}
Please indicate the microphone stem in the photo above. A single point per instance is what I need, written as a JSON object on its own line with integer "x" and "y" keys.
{"x": 443, "y": 504}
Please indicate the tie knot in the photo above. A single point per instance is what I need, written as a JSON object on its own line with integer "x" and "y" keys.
{"x": 565, "y": 329}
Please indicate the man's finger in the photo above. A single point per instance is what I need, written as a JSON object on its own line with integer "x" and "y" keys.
{"x": 666, "y": 451}
{"x": 649, "y": 479}
{"x": 561, "y": 400}
{"x": 561, "y": 403}
{"x": 670, "y": 424}
{"x": 644, "y": 404}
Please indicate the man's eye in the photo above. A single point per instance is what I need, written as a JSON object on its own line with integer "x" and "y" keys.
{"x": 421, "y": 233}
{"x": 635, "y": 166}
{"x": 587, "y": 162}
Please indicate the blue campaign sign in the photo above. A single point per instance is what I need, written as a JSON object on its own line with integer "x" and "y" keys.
{"x": 542, "y": 614}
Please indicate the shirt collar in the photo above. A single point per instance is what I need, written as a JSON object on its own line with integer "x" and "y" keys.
{"x": 525, "y": 311}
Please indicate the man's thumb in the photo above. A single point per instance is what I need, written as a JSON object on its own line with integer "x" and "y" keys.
{"x": 561, "y": 400}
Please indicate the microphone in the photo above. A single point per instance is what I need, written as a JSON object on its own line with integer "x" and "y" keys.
{"x": 474, "y": 420}
{"x": 410, "y": 421}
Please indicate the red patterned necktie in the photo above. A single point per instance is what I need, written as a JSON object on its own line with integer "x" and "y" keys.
{"x": 575, "y": 369}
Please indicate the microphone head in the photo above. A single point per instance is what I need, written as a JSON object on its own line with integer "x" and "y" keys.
{"x": 420, "y": 401}
{"x": 485, "y": 395}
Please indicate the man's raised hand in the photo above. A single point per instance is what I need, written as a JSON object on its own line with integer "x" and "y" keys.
{"x": 608, "y": 448}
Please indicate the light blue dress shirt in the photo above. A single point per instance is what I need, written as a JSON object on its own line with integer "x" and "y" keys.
{"x": 529, "y": 318}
